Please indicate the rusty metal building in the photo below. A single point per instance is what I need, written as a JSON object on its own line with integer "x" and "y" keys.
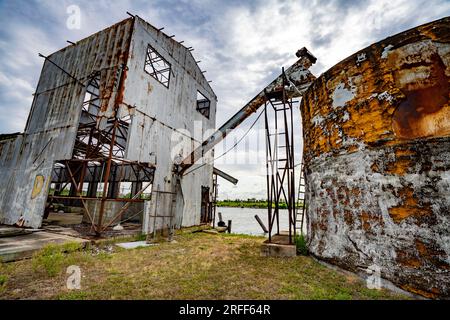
{"x": 118, "y": 107}
{"x": 377, "y": 155}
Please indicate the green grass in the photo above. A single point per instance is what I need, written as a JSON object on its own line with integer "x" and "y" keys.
{"x": 300, "y": 243}
{"x": 196, "y": 266}
{"x": 52, "y": 258}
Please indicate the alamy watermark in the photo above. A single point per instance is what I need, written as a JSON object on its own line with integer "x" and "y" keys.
{"x": 74, "y": 19}
{"x": 373, "y": 280}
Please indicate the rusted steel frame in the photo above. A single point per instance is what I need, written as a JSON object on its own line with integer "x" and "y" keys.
{"x": 125, "y": 207}
{"x": 101, "y": 135}
{"x": 64, "y": 186}
{"x": 105, "y": 184}
{"x": 286, "y": 173}
{"x": 90, "y": 198}
{"x": 279, "y": 176}
{"x": 289, "y": 164}
{"x": 103, "y": 139}
{"x": 82, "y": 176}
{"x": 82, "y": 200}
{"x": 74, "y": 173}
{"x": 116, "y": 159}
{"x": 276, "y": 176}
{"x": 89, "y": 145}
{"x": 294, "y": 71}
{"x": 123, "y": 68}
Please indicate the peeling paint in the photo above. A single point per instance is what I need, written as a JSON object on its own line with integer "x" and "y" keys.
{"x": 342, "y": 95}
{"x": 378, "y": 161}
{"x": 386, "y": 50}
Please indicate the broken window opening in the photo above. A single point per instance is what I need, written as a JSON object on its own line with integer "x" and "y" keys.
{"x": 203, "y": 104}
{"x": 158, "y": 67}
{"x": 92, "y": 142}
{"x": 91, "y": 102}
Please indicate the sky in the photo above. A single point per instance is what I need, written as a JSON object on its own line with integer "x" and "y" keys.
{"x": 242, "y": 46}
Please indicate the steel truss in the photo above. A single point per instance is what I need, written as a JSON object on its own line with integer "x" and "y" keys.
{"x": 280, "y": 158}
{"x": 99, "y": 157}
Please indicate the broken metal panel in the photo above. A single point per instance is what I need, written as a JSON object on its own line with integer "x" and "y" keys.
{"x": 52, "y": 124}
{"x": 377, "y": 155}
{"x": 57, "y": 99}
{"x": 20, "y": 203}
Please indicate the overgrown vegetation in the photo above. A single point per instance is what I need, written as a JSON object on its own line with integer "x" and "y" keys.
{"x": 195, "y": 266}
{"x": 249, "y": 203}
{"x": 3, "y": 279}
{"x": 52, "y": 258}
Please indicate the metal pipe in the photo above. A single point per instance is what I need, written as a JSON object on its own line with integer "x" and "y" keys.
{"x": 261, "y": 223}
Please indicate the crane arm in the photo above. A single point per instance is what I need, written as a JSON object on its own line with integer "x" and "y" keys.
{"x": 298, "y": 77}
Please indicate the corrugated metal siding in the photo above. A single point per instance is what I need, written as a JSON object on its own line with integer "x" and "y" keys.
{"x": 173, "y": 107}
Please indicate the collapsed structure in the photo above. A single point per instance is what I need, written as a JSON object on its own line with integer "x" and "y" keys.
{"x": 377, "y": 154}
{"x": 111, "y": 111}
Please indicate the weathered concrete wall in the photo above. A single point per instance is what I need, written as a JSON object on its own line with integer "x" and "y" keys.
{"x": 377, "y": 155}
{"x": 161, "y": 140}
{"x": 53, "y": 121}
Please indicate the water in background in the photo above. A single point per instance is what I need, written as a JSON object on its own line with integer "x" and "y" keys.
{"x": 243, "y": 220}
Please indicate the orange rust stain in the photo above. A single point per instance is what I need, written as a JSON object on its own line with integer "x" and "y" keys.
{"x": 409, "y": 206}
{"x": 348, "y": 217}
{"x": 403, "y": 152}
{"x": 428, "y": 32}
{"x": 405, "y": 96}
{"x": 407, "y": 260}
{"x": 374, "y": 167}
{"x": 421, "y": 248}
{"x": 425, "y": 111}
{"x": 400, "y": 166}
{"x": 365, "y": 218}
{"x": 432, "y": 294}
{"x": 431, "y": 254}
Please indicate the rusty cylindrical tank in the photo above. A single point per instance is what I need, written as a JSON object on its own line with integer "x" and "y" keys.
{"x": 377, "y": 155}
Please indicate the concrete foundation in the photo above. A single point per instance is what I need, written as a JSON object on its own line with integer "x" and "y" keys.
{"x": 24, "y": 246}
{"x": 278, "y": 247}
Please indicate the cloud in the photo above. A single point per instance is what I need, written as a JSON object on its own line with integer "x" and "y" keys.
{"x": 241, "y": 45}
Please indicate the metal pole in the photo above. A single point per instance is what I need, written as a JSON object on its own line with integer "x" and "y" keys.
{"x": 261, "y": 223}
